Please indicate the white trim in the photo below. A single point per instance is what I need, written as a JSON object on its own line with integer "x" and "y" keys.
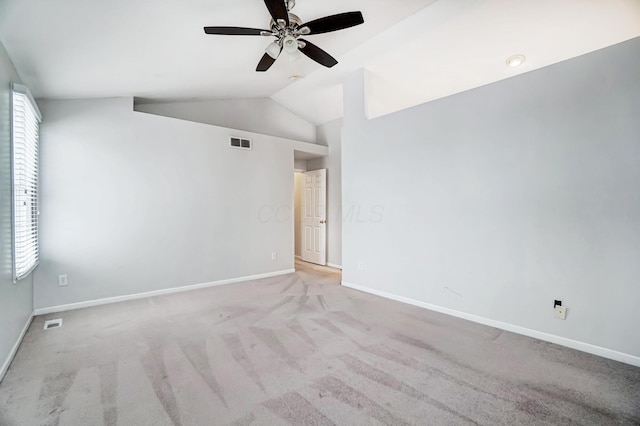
{"x": 563, "y": 341}
{"x": 14, "y": 350}
{"x": 109, "y": 300}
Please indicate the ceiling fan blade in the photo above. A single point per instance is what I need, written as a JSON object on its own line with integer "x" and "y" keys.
{"x": 278, "y": 10}
{"x": 317, "y": 54}
{"x": 334, "y": 22}
{"x": 236, "y": 31}
{"x": 265, "y": 63}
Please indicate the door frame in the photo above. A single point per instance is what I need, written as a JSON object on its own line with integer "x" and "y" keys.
{"x": 314, "y": 217}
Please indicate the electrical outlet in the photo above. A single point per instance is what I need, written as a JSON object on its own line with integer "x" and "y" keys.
{"x": 274, "y": 256}
{"x": 360, "y": 266}
{"x": 62, "y": 280}
{"x": 560, "y": 312}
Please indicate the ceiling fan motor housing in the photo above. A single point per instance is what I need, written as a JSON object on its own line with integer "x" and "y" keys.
{"x": 294, "y": 23}
{"x": 284, "y": 32}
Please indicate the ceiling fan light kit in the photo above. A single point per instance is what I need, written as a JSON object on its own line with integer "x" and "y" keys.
{"x": 273, "y": 50}
{"x": 287, "y": 29}
{"x": 290, "y": 44}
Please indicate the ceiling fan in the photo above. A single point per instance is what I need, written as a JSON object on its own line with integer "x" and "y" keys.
{"x": 287, "y": 29}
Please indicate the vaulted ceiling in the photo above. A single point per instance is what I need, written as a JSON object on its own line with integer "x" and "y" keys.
{"x": 415, "y": 50}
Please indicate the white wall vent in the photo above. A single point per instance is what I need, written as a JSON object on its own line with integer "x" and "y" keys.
{"x": 240, "y": 143}
{"x": 53, "y": 324}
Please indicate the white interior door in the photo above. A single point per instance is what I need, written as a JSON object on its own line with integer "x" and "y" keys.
{"x": 314, "y": 217}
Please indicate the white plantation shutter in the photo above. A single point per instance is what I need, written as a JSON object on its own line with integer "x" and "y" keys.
{"x": 25, "y": 136}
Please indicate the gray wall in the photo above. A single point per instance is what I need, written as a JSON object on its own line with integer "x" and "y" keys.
{"x": 16, "y": 300}
{"x": 134, "y": 202}
{"x": 330, "y": 134}
{"x": 262, "y": 115}
{"x": 501, "y": 199}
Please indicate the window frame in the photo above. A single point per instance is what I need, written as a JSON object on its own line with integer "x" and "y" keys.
{"x": 23, "y": 90}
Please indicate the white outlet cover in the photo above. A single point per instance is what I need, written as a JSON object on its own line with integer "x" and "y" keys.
{"x": 63, "y": 280}
{"x": 561, "y": 312}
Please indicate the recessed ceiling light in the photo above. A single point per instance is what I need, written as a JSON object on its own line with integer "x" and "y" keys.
{"x": 295, "y": 77}
{"x": 516, "y": 60}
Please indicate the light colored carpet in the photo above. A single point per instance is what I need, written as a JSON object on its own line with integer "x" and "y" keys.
{"x": 300, "y": 349}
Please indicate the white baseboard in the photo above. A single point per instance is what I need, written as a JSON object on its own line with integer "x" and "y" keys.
{"x": 109, "y": 300}
{"x": 563, "y": 341}
{"x": 14, "y": 350}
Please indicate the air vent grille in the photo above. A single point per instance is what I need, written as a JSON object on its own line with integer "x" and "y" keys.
{"x": 53, "y": 324}
{"x": 240, "y": 143}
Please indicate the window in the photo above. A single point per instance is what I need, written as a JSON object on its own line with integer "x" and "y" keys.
{"x": 25, "y": 128}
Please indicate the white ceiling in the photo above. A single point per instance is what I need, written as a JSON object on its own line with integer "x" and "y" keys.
{"x": 158, "y": 49}
{"x": 416, "y": 50}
